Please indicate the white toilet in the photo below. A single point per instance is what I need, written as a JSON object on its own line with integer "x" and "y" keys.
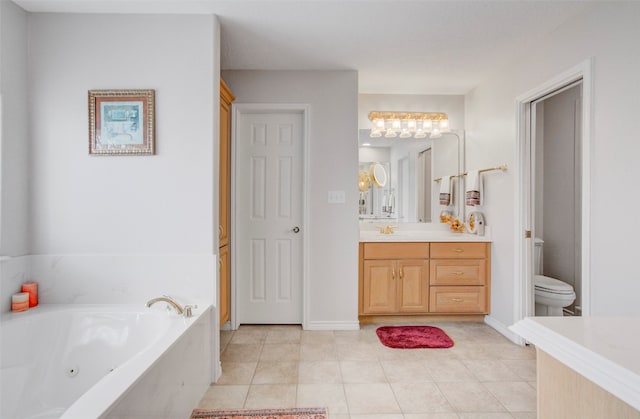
{"x": 551, "y": 295}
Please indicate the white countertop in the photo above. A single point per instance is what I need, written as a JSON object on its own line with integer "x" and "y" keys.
{"x": 604, "y": 350}
{"x": 418, "y": 232}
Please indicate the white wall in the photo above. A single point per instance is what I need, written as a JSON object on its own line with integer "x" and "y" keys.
{"x": 14, "y": 145}
{"x": 609, "y": 35}
{"x": 14, "y": 151}
{"x": 332, "y": 228}
{"x": 112, "y": 228}
{"x": 129, "y": 204}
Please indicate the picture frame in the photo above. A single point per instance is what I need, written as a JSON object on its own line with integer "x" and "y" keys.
{"x": 122, "y": 122}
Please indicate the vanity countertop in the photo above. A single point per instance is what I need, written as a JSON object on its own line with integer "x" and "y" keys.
{"x": 604, "y": 350}
{"x": 369, "y": 233}
{"x": 417, "y": 232}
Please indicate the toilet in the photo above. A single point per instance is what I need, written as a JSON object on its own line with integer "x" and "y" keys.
{"x": 551, "y": 295}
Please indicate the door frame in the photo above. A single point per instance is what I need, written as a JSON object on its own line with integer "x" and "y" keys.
{"x": 523, "y": 272}
{"x": 239, "y": 109}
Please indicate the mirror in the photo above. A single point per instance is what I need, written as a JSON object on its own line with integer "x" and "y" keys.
{"x": 396, "y": 177}
{"x": 378, "y": 175}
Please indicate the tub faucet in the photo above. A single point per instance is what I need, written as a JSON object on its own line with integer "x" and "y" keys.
{"x": 169, "y": 301}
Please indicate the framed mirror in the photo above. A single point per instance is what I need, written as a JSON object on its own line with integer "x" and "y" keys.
{"x": 412, "y": 166}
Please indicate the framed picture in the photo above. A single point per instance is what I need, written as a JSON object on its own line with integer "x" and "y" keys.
{"x": 121, "y": 122}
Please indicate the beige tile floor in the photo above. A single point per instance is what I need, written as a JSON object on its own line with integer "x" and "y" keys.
{"x": 484, "y": 376}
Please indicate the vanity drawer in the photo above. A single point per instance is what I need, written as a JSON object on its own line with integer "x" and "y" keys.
{"x": 458, "y": 272}
{"x": 457, "y": 300}
{"x": 458, "y": 250}
{"x": 396, "y": 250}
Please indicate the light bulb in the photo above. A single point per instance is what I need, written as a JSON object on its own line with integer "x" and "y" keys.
{"x": 444, "y": 125}
{"x": 379, "y": 124}
{"x": 435, "y": 133}
{"x": 396, "y": 124}
{"x": 427, "y": 125}
{"x": 411, "y": 125}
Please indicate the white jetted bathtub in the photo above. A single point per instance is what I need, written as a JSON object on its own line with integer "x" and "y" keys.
{"x": 93, "y": 361}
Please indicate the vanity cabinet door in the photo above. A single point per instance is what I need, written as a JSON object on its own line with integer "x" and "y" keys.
{"x": 413, "y": 286}
{"x": 379, "y": 287}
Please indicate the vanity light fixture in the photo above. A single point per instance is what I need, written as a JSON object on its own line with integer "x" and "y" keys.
{"x": 408, "y": 124}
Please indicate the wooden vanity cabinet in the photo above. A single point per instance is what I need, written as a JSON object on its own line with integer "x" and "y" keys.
{"x": 396, "y": 278}
{"x": 422, "y": 278}
{"x": 459, "y": 278}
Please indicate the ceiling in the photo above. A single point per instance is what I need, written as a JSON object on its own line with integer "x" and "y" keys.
{"x": 399, "y": 47}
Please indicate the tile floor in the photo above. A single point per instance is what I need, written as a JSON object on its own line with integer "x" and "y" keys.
{"x": 352, "y": 374}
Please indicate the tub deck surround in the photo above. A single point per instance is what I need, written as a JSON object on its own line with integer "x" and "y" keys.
{"x": 602, "y": 351}
{"x": 103, "y": 361}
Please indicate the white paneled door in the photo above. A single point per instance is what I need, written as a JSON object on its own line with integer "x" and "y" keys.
{"x": 269, "y": 215}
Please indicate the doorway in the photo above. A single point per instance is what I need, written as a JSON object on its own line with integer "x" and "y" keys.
{"x": 269, "y": 161}
{"x": 553, "y": 187}
{"x": 556, "y": 187}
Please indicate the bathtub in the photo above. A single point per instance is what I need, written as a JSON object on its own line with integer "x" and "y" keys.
{"x": 90, "y": 361}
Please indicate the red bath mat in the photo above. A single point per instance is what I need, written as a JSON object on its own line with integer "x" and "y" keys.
{"x": 409, "y": 337}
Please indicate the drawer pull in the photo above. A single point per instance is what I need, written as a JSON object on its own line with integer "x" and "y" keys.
{"x": 457, "y": 300}
{"x": 401, "y": 273}
{"x": 458, "y": 250}
{"x": 458, "y": 273}
{"x": 393, "y": 273}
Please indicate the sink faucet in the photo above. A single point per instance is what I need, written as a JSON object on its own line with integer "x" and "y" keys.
{"x": 387, "y": 229}
{"x": 179, "y": 309}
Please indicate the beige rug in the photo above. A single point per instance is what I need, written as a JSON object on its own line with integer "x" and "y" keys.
{"x": 297, "y": 413}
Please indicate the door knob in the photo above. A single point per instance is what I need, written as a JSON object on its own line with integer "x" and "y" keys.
{"x": 296, "y": 229}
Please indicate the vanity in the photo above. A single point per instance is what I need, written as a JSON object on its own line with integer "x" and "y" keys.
{"x": 433, "y": 273}
{"x": 422, "y": 268}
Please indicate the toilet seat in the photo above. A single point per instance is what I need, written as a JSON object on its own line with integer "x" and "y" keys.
{"x": 547, "y": 285}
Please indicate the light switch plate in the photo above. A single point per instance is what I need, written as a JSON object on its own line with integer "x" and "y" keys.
{"x": 336, "y": 197}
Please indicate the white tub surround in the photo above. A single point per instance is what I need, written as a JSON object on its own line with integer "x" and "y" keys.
{"x": 600, "y": 351}
{"x": 417, "y": 232}
{"x": 94, "y": 361}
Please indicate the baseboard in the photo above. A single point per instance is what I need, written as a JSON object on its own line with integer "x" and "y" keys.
{"x": 339, "y": 325}
{"x": 421, "y": 319}
{"x": 504, "y": 330}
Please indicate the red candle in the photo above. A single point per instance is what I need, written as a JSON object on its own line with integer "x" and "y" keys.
{"x": 32, "y": 289}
